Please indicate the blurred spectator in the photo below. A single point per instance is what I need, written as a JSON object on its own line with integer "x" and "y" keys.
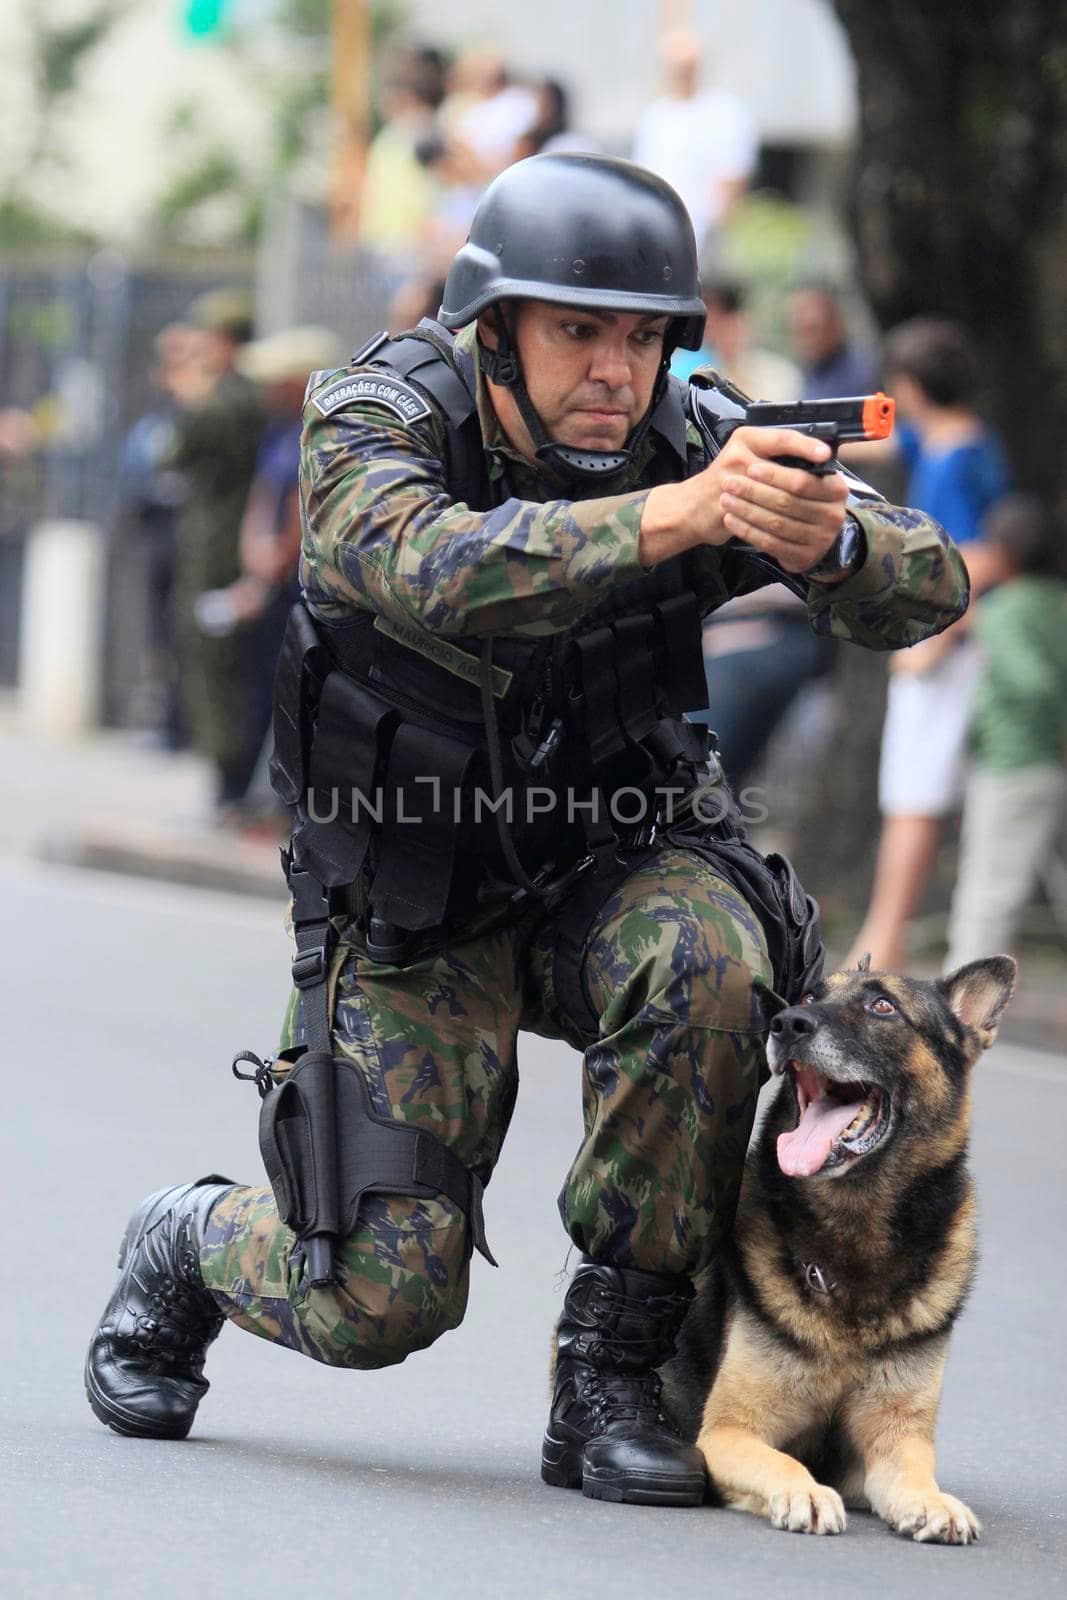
{"x": 1016, "y": 794}
{"x": 728, "y": 347}
{"x": 218, "y": 428}
{"x": 830, "y": 363}
{"x": 259, "y": 600}
{"x": 552, "y": 133}
{"x": 152, "y": 492}
{"x": 759, "y": 651}
{"x": 957, "y": 470}
{"x": 415, "y": 301}
{"x": 486, "y": 112}
{"x": 18, "y": 434}
{"x": 398, "y": 189}
{"x": 704, "y": 142}
{"x": 457, "y": 188}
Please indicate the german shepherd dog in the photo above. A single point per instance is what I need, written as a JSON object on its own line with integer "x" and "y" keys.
{"x": 814, "y": 1349}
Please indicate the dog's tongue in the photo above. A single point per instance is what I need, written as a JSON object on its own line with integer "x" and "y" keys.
{"x": 803, "y": 1151}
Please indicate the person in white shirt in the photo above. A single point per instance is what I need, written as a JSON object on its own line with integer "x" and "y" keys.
{"x": 704, "y": 142}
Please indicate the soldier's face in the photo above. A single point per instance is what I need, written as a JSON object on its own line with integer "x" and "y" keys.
{"x": 590, "y": 374}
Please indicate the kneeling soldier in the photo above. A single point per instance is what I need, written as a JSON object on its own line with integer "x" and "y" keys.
{"x": 515, "y": 521}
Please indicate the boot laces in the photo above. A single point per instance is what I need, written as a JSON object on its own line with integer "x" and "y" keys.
{"x": 178, "y": 1324}
{"x": 624, "y": 1397}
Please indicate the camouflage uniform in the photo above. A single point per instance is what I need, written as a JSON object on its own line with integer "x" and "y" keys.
{"x": 676, "y": 961}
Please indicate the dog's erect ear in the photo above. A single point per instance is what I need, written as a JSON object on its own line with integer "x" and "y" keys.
{"x": 979, "y": 992}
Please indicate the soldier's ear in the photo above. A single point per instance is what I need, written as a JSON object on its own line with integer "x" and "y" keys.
{"x": 978, "y": 993}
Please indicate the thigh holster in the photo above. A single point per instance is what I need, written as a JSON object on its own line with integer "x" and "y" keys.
{"x": 324, "y": 1148}
{"x": 323, "y": 1144}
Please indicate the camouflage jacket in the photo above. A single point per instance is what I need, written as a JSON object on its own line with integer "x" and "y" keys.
{"x": 382, "y": 532}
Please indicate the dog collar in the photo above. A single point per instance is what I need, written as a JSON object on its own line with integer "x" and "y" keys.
{"x": 816, "y": 1279}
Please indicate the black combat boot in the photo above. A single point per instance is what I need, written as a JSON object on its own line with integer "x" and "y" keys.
{"x": 607, "y": 1433}
{"x": 144, "y": 1374}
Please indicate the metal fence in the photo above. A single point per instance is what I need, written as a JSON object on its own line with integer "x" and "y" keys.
{"x": 76, "y": 336}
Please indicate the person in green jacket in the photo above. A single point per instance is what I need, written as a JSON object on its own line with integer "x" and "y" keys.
{"x": 1016, "y": 795}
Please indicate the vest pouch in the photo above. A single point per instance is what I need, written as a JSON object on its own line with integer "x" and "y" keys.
{"x": 303, "y": 664}
{"x": 426, "y": 802}
{"x": 684, "y": 685}
{"x": 635, "y": 667}
{"x": 344, "y": 795}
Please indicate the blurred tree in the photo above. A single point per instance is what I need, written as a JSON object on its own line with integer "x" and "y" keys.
{"x": 958, "y": 204}
{"x": 282, "y": 49}
{"x": 59, "y": 46}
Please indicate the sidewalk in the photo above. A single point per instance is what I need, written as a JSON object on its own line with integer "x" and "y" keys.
{"x": 110, "y": 803}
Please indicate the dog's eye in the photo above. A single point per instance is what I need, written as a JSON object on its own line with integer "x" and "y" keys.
{"x": 808, "y": 999}
{"x": 882, "y": 1007}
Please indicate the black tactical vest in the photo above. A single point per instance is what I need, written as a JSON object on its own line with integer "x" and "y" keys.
{"x": 438, "y": 774}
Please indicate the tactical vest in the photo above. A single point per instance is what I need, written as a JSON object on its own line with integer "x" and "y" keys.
{"x": 403, "y": 752}
{"x": 386, "y": 735}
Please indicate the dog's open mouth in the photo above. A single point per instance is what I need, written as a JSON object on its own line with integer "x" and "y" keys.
{"x": 838, "y": 1122}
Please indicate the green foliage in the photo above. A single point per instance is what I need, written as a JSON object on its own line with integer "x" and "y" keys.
{"x": 61, "y": 48}
{"x": 214, "y": 173}
{"x": 23, "y": 224}
{"x": 307, "y": 17}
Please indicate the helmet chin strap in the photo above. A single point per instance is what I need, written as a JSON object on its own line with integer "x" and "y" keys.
{"x": 564, "y": 461}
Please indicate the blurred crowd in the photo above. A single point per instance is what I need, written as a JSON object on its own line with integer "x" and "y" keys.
{"x": 976, "y": 717}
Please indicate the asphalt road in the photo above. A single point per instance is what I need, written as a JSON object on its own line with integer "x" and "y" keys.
{"x": 123, "y": 1005}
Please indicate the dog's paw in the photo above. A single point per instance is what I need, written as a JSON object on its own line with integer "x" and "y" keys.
{"x": 936, "y": 1519}
{"x": 811, "y": 1509}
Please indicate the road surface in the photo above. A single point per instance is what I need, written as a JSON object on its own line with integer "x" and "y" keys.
{"x": 124, "y": 1003}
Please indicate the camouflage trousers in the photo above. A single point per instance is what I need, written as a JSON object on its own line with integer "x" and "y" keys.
{"x": 673, "y": 968}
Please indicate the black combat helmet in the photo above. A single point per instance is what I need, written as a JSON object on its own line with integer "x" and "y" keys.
{"x": 580, "y": 230}
{"x": 577, "y": 230}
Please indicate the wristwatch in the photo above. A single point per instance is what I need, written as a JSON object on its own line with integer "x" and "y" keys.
{"x": 847, "y": 553}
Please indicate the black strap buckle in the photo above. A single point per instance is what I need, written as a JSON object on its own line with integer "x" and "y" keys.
{"x": 309, "y": 966}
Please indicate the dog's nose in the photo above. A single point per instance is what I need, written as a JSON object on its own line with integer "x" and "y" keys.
{"x": 796, "y": 1022}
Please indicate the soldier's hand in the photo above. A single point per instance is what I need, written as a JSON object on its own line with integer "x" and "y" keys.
{"x": 745, "y": 494}
{"x": 788, "y": 513}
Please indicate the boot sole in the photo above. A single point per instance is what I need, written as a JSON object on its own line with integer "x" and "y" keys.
{"x": 563, "y": 1466}
{"x": 119, "y": 1420}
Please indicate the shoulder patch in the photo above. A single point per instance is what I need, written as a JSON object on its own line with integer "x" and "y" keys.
{"x": 373, "y": 388}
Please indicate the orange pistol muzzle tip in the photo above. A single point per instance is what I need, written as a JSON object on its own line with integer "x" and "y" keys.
{"x": 878, "y": 413}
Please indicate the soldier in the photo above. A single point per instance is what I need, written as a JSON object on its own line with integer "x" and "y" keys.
{"x": 218, "y": 433}
{"x": 513, "y": 526}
